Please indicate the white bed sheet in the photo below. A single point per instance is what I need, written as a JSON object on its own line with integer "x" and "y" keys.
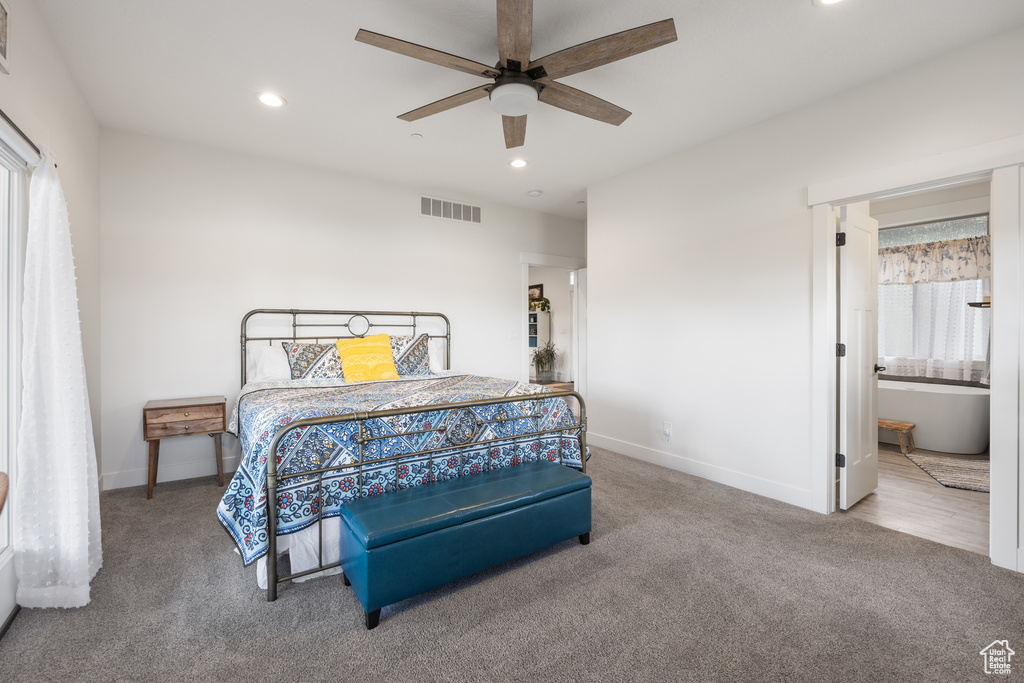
{"x": 303, "y": 550}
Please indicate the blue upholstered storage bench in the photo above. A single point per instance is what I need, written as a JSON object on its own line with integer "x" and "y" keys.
{"x": 407, "y": 542}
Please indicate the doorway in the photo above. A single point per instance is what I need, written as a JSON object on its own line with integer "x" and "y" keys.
{"x": 933, "y": 358}
{"x": 1002, "y": 162}
{"x": 566, "y": 315}
{"x": 550, "y": 324}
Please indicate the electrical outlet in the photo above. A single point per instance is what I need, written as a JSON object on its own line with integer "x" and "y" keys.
{"x": 666, "y": 430}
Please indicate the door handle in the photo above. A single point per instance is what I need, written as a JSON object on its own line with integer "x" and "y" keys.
{"x": 879, "y": 368}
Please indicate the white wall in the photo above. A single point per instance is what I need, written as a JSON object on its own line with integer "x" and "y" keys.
{"x": 718, "y": 266}
{"x": 194, "y": 237}
{"x": 40, "y": 96}
{"x": 556, "y": 289}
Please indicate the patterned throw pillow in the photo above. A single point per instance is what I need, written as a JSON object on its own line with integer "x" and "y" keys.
{"x": 411, "y": 355}
{"x": 367, "y": 359}
{"x": 313, "y": 361}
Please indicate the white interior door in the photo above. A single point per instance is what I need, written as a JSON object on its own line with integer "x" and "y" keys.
{"x": 858, "y": 331}
{"x": 580, "y": 337}
{"x": 570, "y": 370}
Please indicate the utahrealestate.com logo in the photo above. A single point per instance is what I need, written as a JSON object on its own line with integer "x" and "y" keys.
{"x": 997, "y": 657}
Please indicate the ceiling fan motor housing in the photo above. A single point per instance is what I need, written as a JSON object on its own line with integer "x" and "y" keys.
{"x": 514, "y": 94}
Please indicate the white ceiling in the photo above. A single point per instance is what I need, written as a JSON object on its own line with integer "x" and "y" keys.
{"x": 190, "y": 70}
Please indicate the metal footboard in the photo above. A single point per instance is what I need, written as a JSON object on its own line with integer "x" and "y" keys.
{"x": 578, "y": 432}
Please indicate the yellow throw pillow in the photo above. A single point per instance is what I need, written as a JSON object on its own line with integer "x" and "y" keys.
{"x": 367, "y": 358}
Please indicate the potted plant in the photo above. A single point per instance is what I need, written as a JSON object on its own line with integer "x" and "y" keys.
{"x": 544, "y": 359}
{"x": 540, "y": 304}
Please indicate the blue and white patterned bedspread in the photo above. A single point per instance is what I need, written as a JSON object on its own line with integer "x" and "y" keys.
{"x": 263, "y": 408}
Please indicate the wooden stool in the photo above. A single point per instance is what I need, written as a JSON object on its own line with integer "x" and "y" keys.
{"x": 904, "y": 432}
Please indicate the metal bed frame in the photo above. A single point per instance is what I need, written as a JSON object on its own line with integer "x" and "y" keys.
{"x": 358, "y": 324}
{"x": 351, "y": 328}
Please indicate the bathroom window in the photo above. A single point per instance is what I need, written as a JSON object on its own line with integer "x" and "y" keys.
{"x": 928, "y": 275}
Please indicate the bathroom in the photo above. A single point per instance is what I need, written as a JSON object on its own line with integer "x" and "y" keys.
{"x": 934, "y": 319}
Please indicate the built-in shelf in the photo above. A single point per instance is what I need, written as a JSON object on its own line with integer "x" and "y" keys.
{"x": 538, "y": 333}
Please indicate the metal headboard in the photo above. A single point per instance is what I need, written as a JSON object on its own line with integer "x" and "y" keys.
{"x": 315, "y": 325}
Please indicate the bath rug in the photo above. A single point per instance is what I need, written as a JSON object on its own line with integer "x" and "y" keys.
{"x": 954, "y": 471}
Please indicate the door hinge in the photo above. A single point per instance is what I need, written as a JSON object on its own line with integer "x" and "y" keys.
{"x": 841, "y": 350}
{"x": 840, "y": 239}
{"x": 840, "y": 460}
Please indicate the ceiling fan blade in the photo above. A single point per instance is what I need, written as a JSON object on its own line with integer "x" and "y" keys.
{"x": 426, "y": 54}
{"x": 515, "y": 32}
{"x": 601, "y": 51}
{"x": 515, "y": 131}
{"x": 578, "y": 102}
{"x": 447, "y": 103}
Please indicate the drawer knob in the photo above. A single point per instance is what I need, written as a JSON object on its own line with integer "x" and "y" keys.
{"x": 186, "y": 426}
{"x": 186, "y": 414}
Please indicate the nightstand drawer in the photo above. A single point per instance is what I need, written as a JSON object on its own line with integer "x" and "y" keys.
{"x": 184, "y": 414}
{"x": 187, "y": 426}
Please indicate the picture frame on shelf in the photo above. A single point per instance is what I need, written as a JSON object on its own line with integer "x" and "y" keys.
{"x": 535, "y": 292}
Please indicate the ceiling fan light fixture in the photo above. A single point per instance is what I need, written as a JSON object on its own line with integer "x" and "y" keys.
{"x": 514, "y": 98}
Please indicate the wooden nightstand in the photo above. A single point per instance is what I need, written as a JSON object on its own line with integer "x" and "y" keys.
{"x": 181, "y": 417}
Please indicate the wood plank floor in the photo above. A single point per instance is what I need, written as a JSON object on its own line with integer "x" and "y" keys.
{"x": 909, "y": 500}
{"x": 557, "y": 386}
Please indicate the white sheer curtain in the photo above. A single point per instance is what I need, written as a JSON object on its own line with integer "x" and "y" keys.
{"x": 56, "y": 521}
{"x": 928, "y": 330}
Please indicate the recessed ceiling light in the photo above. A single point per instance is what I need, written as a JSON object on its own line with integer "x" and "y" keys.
{"x": 517, "y": 163}
{"x": 535, "y": 193}
{"x": 271, "y": 100}
{"x": 581, "y": 201}
{"x": 824, "y": 3}
{"x": 417, "y": 136}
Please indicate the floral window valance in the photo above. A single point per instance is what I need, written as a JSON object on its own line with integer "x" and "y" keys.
{"x": 947, "y": 261}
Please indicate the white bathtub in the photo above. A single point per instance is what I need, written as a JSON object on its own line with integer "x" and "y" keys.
{"x": 949, "y": 418}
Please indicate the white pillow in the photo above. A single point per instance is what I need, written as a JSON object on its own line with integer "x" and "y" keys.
{"x": 266, "y": 363}
{"x": 436, "y": 355}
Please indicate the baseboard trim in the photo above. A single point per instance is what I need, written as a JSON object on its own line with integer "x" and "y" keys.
{"x": 8, "y": 589}
{"x": 1017, "y": 567}
{"x": 168, "y": 472}
{"x": 10, "y": 620}
{"x": 745, "y": 482}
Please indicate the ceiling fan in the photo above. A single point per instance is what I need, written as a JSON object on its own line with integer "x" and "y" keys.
{"x": 518, "y": 82}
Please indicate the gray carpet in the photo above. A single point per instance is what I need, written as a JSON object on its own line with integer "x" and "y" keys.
{"x": 969, "y": 472}
{"x": 685, "y": 580}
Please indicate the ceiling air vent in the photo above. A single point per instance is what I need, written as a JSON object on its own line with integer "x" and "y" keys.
{"x": 446, "y": 208}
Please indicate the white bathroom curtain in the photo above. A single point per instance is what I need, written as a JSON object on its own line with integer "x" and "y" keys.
{"x": 57, "y": 517}
{"x": 928, "y": 330}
